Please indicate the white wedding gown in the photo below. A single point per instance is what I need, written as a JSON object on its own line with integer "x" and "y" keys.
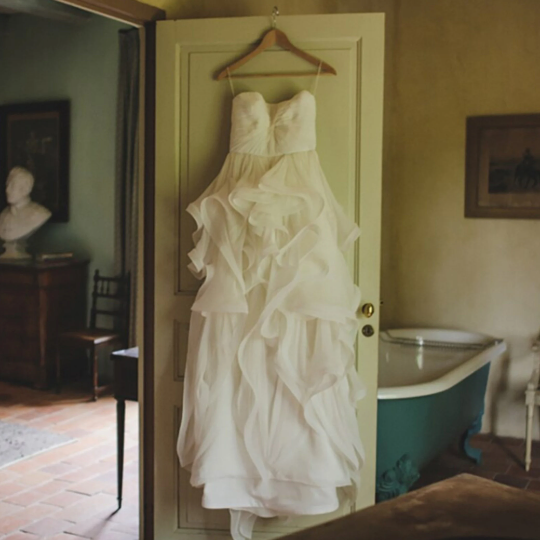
{"x": 269, "y": 423}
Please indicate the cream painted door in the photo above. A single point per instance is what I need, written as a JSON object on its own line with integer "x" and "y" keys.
{"x": 192, "y": 138}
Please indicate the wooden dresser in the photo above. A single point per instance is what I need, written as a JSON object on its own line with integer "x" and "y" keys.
{"x": 37, "y": 300}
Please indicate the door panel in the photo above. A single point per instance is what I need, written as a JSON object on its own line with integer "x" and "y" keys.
{"x": 193, "y": 123}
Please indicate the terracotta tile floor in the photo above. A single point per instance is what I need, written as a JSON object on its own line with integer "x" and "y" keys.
{"x": 502, "y": 461}
{"x": 69, "y": 492}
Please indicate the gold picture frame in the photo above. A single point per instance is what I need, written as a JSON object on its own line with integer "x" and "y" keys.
{"x": 502, "y": 178}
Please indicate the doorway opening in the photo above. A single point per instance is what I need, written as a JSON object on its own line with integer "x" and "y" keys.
{"x": 58, "y": 464}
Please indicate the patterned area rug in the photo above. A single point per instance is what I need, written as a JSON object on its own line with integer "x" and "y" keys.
{"x": 19, "y": 442}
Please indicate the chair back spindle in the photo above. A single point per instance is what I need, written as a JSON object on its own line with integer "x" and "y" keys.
{"x": 110, "y": 302}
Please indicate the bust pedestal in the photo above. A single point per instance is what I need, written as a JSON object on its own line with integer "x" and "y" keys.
{"x": 16, "y": 250}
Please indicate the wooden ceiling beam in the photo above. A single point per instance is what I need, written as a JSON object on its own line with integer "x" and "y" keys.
{"x": 128, "y": 11}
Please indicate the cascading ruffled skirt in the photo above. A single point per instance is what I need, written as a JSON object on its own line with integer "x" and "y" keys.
{"x": 269, "y": 422}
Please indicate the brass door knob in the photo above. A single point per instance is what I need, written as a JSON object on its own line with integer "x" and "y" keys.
{"x": 368, "y": 310}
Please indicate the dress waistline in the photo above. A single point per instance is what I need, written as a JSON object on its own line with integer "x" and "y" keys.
{"x": 232, "y": 152}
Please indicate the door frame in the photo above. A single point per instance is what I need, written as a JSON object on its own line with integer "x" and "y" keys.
{"x": 128, "y": 11}
{"x": 147, "y": 371}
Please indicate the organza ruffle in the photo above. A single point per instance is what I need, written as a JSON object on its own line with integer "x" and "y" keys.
{"x": 269, "y": 423}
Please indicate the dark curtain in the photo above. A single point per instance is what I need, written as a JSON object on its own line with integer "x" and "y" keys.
{"x": 127, "y": 166}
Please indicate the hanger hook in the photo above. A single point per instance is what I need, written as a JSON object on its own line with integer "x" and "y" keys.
{"x": 275, "y": 13}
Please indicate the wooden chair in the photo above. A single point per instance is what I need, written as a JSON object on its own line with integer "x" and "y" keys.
{"x": 110, "y": 301}
{"x": 532, "y": 400}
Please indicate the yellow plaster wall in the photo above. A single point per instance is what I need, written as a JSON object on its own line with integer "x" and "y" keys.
{"x": 459, "y": 58}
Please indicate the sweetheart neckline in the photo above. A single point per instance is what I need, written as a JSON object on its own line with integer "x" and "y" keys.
{"x": 278, "y": 102}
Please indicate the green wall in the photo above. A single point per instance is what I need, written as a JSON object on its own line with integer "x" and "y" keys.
{"x": 45, "y": 60}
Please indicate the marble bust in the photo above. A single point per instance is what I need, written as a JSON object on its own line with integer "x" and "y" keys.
{"x": 22, "y": 216}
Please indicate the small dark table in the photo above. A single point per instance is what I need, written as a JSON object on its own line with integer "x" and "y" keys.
{"x": 125, "y": 387}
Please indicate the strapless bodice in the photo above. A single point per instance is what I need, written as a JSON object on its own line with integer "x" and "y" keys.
{"x": 273, "y": 129}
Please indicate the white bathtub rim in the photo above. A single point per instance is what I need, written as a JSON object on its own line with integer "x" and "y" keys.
{"x": 439, "y": 334}
{"x": 449, "y": 379}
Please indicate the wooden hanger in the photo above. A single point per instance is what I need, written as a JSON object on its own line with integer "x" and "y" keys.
{"x": 271, "y": 38}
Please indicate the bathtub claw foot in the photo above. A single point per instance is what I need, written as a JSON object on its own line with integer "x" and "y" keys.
{"x": 474, "y": 453}
{"x": 398, "y": 480}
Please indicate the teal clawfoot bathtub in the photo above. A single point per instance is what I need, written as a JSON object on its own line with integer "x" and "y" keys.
{"x": 432, "y": 386}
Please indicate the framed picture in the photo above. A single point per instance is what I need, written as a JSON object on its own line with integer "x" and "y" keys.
{"x": 36, "y": 136}
{"x": 502, "y": 177}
